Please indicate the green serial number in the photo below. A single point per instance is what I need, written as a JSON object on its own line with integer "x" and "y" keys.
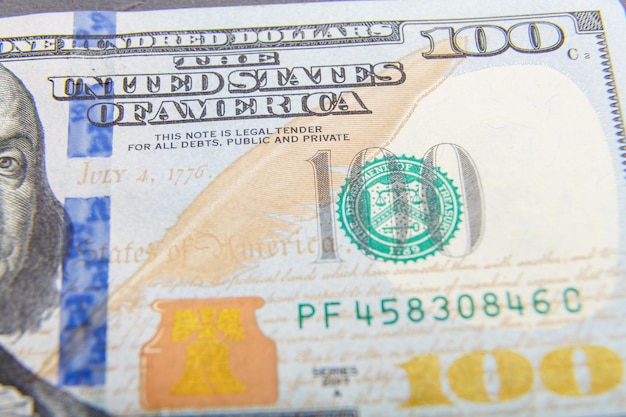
{"x": 390, "y": 311}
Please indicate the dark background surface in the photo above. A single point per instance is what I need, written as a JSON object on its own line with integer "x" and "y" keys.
{"x": 18, "y": 7}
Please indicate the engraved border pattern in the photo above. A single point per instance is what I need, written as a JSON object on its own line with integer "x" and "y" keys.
{"x": 612, "y": 94}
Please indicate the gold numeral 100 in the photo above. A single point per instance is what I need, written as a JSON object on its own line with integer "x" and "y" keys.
{"x": 558, "y": 371}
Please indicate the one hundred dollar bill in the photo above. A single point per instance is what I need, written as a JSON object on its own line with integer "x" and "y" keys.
{"x": 369, "y": 208}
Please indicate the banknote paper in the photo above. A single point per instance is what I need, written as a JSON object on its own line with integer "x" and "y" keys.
{"x": 342, "y": 209}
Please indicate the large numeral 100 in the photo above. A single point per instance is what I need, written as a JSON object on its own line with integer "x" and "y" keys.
{"x": 457, "y": 164}
{"x": 488, "y": 40}
{"x": 558, "y": 371}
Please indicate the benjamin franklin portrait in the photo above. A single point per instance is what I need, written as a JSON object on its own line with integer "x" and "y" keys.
{"x": 33, "y": 235}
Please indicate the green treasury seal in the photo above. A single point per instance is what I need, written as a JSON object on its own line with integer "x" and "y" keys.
{"x": 399, "y": 209}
